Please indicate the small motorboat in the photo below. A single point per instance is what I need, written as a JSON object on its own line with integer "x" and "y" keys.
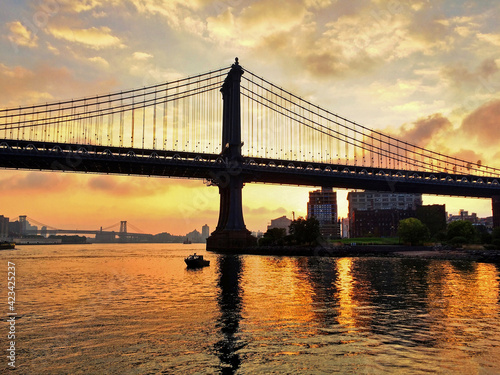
{"x": 7, "y": 245}
{"x": 196, "y": 261}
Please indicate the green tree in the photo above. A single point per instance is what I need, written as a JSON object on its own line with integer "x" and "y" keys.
{"x": 273, "y": 236}
{"x": 305, "y": 231}
{"x": 461, "y": 228}
{"x": 483, "y": 236}
{"x": 495, "y": 235}
{"x": 412, "y": 231}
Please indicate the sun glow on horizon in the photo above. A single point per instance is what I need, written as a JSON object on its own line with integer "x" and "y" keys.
{"x": 402, "y": 73}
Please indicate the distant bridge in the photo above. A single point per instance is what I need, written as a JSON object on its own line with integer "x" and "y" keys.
{"x": 122, "y": 233}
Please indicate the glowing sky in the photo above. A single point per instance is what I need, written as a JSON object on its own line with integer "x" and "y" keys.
{"x": 426, "y": 71}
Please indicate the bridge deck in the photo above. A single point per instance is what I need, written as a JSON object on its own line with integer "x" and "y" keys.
{"x": 146, "y": 162}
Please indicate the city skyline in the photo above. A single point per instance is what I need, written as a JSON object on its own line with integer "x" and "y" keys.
{"x": 30, "y": 226}
{"x": 408, "y": 75}
{"x": 460, "y": 214}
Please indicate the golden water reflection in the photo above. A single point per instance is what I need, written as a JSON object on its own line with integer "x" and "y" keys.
{"x": 408, "y": 311}
{"x": 345, "y": 283}
{"x": 462, "y": 303}
{"x": 277, "y": 293}
{"x": 137, "y": 309}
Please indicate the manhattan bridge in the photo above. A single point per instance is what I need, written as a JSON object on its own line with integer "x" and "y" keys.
{"x": 254, "y": 132}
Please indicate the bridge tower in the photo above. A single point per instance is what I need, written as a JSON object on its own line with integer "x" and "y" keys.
{"x": 123, "y": 226}
{"x": 231, "y": 232}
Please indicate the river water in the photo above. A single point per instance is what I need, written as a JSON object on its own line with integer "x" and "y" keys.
{"x": 136, "y": 309}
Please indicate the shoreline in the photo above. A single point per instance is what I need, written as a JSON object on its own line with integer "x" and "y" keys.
{"x": 394, "y": 251}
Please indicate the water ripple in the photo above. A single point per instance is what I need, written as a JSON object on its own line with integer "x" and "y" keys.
{"x": 106, "y": 309}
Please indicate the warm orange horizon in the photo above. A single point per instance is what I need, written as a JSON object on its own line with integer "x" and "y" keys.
{"x": 155, "y": 204}
{"x": 425, "y": 73}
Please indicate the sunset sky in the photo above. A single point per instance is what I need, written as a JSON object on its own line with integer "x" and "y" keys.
{"x": 424, "y": 71}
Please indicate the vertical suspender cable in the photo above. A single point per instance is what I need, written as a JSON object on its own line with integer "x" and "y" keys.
{"x": 122, "y": 120}
{"x": 165, "y": 118}
{"x": 143, "y": 117}
{"x": 133, "y": 121}
{"x": 154, "y": 121}
{"x": 110, "y": 123}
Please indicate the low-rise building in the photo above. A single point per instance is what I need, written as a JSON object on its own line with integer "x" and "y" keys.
{"x": 373, "y": 213}
{"x": 463, "y": 215}
{"x": 378, "y": 223}
{"x": 281, "y": 222}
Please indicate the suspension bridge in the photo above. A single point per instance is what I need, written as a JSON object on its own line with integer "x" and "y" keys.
{"x": 258, "y": 132}
{"x": 109, "y": 233}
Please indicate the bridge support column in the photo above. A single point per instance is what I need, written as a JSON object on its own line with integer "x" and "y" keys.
{"x": 231, "y": 232}
{"x": 495, "y": 203}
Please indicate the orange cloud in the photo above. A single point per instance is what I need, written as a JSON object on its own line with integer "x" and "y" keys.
{"x": 469, "y": 155}
{"x": 14, "y": 183}
{"x": 45, "y": 83}
{"x": 482, "y": 124}
{"x": 135, "y": 186}
{"x": 422, "y": 131}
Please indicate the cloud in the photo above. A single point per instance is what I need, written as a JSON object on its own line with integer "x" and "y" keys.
{"x": 80, "y": 6}
{"x": 430, "y": 24}
{"x": 179, "y": 14}
{"x": 469, "y": 155}
{"x": 93, "y": 8}
{"x": 94, "y": 37}
{"x": 45, "y": 83}
{"x": 52, "y": 49}
{"x": 141, "y": 56}
{"x": 487, "y": 68}
{"x": 21, "y": 36}
{"x": 483, "y": 124}
{"x": 138, "y": 186}
{"x": 35, "y": 182}
{"x": 493, "y": 39}
{"x": 422, "y": 131}
{"x": 256, "y": 21}
{"x": 221, "y": 27}
{"x": 120, "y": 186}
{"x": 496, "y": 157}
{"x": 267, "y": 17}
{"x": 458, "y": 74}
{"x": 100, "y": 61}
{"x": 359, "y": 38}
{"x": 265, "y": 211}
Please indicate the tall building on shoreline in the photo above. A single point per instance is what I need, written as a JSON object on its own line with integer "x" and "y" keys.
{"x": 322, "y": 205}
{"x": 205, "y": 232}
{"x": 4, "y": 226}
